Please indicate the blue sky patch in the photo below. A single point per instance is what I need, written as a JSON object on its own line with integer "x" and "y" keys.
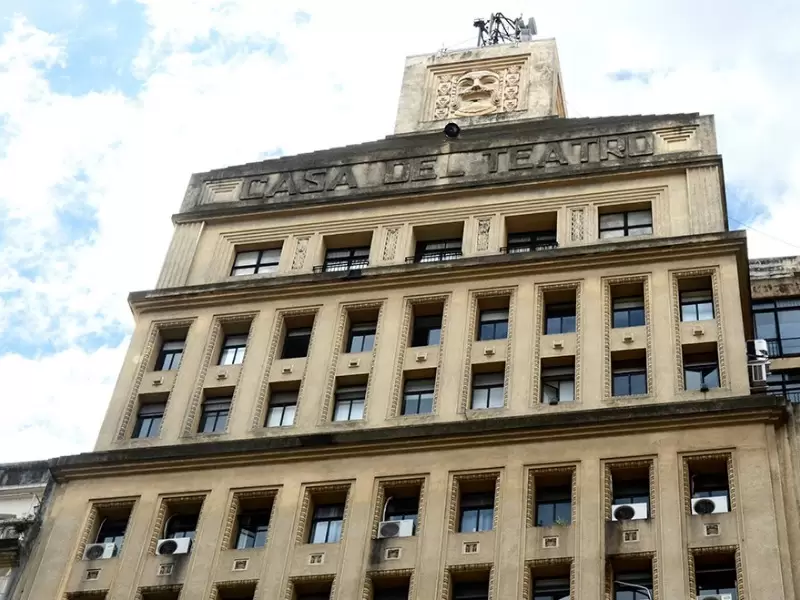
{"x": 630, "y": 75}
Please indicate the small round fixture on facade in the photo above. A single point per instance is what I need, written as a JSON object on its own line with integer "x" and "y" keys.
{"x": 451, "y": 131}
{"x": 704, "y": 507}
{"x": 168, "y": 547}
{"x": 624, "y": 513}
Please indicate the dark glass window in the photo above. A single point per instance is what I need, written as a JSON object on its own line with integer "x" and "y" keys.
{"x": 181, "y": 525}
{"x": 403, "y": 509}
{"x": 629, "y": 378}
{"x": 437, "y": 251}
{"x": 559, "y": 318}
{"x": 709, "y": 485}
{"x": 477, "y": 512}
{"x": 346, "y": 259}
{"x": 778, "y": 322}
{"x": 296, "y": 341}
{"x": 282, "y": 409}
{"x": 716, "y": 581}
{"x": 361, "y": 337}
{"x": 396, "y": 592}
{"x": 785, "y": 383}
{"x": 427, "y": 331}
{"x": 256, "y": 261}
{"x": 697, "y": 305}
{"x": 628, "y": 586}
{"x": 253, "y": 529}
{"x": 702, "y": 373}
{"x": 233, "y": 349}
{"x": 112, "y": 531}
{"x": 531, "y": 241}
{"x": 553, "y": 505}
{"x": 633, "y": 491}
{"x": 418, "y": 396}
{"x": 471, "y": 590}
{"x": 550, "y": 588}
{"x": 169, "y": 357}
{"x": 214, "y": 418}
{"x": 624, "y": 224}
{"x": 488, "y": 390}
{"x": 326, "y": 524}
{"x": 148, "y": 421}
{"x": 493, "y": 324}
{"x": 628, "y": 312}
{"x": 558, "y": 385}
{"x": 350, "y": 403}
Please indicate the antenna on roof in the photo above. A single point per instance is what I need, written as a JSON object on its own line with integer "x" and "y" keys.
{"x": 499, "y": 29}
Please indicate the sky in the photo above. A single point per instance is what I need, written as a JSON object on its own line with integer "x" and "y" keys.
{"x": 108, "y": 106}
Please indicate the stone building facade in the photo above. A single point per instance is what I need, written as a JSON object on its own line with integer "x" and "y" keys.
{"x": 506, "y": 364}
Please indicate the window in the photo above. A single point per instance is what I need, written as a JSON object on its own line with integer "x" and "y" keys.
{"x": 715, "y": 575}
{"x": 112, "y": 531}
{"x": 169, "y": 357}
{"x": 697, "y": 305}
{"x": 361, "y": 337}
{"x": 553, "y": 505}
{"x": 488, "y": 390}
{"x": 233, "y": 348}
{"x": 402, "y": 509}
{"x": 326, "y": 524}
{"x": 346, "y": 259}
{"x": 700, "y": 371}
{"x": 628, "y": 312}
{"x": 633, "y": 490}
{"x": 476, "y": 511}
{"x": 778, "y": 322}
{"x": 558, "y": 384}
{"x": 632, "y": 585}
{"x": 427, "y": 330}
{"x": 629, "y": 377}
{"x": 418, "y": 396}
{"x": 349, "y": 404}
{"x": 296, "y": 342}
{"x": 398, "y": 591}
{"x": 282, "y": 409}
{"x": 493, "y": 324}
{"x": 624, "y": 224}
{"x": 711, "y": 484}
{"x": 253, "y": 529}
{"x": 471, "y": 590}
{"x": 181, "y": 525}
{"x": 437, "y": 250}
{"x": 531, "y": 241}
{"x": 148, "y": 421}
{"x": 214, "y": 418}
{"x": 550, "y": 588}
{"x": 256, "y": 261}
{"x": 785, "y": 383}
{"x": 559, "y": 318}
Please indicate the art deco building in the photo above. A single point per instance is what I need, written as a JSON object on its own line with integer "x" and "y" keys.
{"x": 510, "y": 364}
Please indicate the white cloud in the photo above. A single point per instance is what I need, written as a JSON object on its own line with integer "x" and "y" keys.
{"x": 213, "y": 94}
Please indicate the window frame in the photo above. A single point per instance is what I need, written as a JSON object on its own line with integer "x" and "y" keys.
{"x": 785, "y": 383}
{"x": 473, "y": 594}
{"x": 775, "y": 308}
{"x": 705, "y": 370}
{"x": 170, "y": 359}
{"x": 549, "y": 376}
{"x": 417, "y": 328}
{"x": 280, "y": 400}
{"x": 405, "y": 514}
{"x": 552, "y": 497}
{"x": 317, "y": 520}
{"x": 117, "y": 539}
{"x": 500, "y": 320}
{"x": 350, "y": 395}
{"x": 626, "y": 228}
{"x": 190, "y": 533}
{"x": 639, "y": 579}
{"x": 562, "y": 318}
{"x": 693, "y": 305}
{"x": 261, "y": 264}
{"x": 294, "y": 333}
{"x": 629, "y": 371}
{"x": 451, "y": 249}
{"x": 702, "y": 586}
{"x": 356, "y": 257}
{"x": 367, "y": 335}
{"x": 490, "y": 388}
{"x": 218, "y": 408}
{"x": 420, "y": 393}
{"x": 149, "y": 411}
{"x": 638, "y": 306}
{"x": 261, "y": 526}
{"x": 552, "y": 591}
{"x": 482, "y": 504}
{"x": 236, "y": 350}
{"x": 536, "y": 240}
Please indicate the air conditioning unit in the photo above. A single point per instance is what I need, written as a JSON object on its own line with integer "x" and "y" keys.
{"x": 395, "y": 529}
{"x": 715, "y": 597}
{"x": 757, "y": 350}
{"x": 758, "y": 372}
{"x": 629, "y": 512}
{"x": 100, "y": 551}
{"x": 173, "y": 546}
{"x": 708, "y": 506}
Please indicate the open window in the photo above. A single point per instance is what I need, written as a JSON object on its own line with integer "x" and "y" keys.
{"x": 437, "y": 243}
{"x": 427, "y": 324}
{"x": 400, "y": 507}
{"x": 252, "y": 521}
{"x": 630, "y": 490}
{"x": 326, "y": 516}
{"x": 346, "y": 252}
{"x": 700, "y": 367}
{"x": 709, "y": 485}
{"x": 558, "y": 380}
{"x": 529, "y": 233}
{"x": 715, "y": 576}
{"x": 297, "y": 336}
{"x": 470, "y": 585}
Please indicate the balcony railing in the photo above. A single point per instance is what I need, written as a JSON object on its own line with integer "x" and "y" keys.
{"x": 784, "y": 346}
{"x": 339, "y": 266}
{"x": 532, "y": 247}
{"x": 429, "y": 257}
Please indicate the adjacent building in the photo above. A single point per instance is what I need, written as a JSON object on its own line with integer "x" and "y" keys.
{"x": 506, "y": 362}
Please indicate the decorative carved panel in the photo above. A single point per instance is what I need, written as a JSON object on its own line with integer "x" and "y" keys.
{"x": 390, "y": 243}
{"x": 300, "y": 251}
{"x": 577, "y": 224}
{"x": 484, "y": 229}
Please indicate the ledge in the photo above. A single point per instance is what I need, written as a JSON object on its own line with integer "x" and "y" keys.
{"x": 570, "y": 257}
{"x": 501, "y": 430}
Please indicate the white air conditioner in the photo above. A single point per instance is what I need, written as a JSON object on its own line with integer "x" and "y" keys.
{"x": 173, "y": 546}
{"x": 708, "y": 506}
{"x": 100, "y": 551}
{"x": 395, "y": 529}
{"x": 629, "y": 512}
{"x": 715, "y": 597}
{"x": 758, "y": 372}
{"x": 757, "y": 349}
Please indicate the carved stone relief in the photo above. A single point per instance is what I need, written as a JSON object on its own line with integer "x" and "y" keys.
{"x": 300, "y": 251}
{"x": 477, "y": 92}
{"x": 577, "y": 217}
{"x": 484, "y": 228}
{"x": 390, "y": 244}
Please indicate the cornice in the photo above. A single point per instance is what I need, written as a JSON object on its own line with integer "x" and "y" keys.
{"x": 382, "y": 440}
{"x": 505, "y": 265}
